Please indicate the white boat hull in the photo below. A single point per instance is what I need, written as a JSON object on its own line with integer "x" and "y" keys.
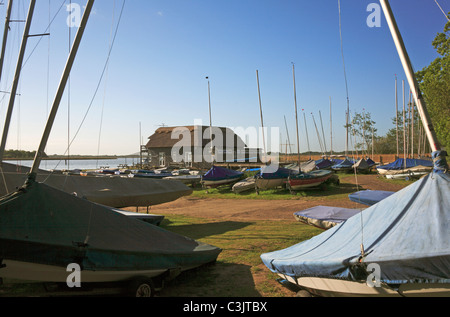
{"x": 341, "y": 288}
{"x": 245, "y": 185}
{"x": 270, "y": 183}
{"x": 216, "y": 183}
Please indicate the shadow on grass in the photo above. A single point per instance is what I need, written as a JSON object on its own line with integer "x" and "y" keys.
{"x": 213, "y": 280}
{"x": 204, "y": 230}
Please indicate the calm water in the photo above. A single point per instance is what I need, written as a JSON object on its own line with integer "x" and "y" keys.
{"x": 80, "y": 164}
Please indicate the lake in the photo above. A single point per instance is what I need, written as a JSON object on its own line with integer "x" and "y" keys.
{"x": 80, "y": 164}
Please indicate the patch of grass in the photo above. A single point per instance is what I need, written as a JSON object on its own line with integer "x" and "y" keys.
{"x": 224, "y": 192}
{"x": 242, "y": 244}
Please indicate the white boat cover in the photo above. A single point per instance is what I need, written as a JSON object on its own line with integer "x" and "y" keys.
{"x": 406, "y": 234}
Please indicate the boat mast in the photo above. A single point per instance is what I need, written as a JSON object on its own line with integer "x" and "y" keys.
{"x": 210, "y": 121}
{"x": 296, "y": 118}
{"x": 61, "y": 88}
{"x": 396, "y": 113}
{"x": 406, "y": 62}
{"x": 260, "y": 111}
{"x": 307, "y": 137}
{"x": 16, "y": 78}
{"x": 5, "y": 36}
{"x": 331, "y": 130}
{"x": 323, "y": 134}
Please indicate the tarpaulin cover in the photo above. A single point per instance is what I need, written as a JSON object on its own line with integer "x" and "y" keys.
{"x": 118, "y": 192}
{"x": 345, "y": 164}
{"x": 399, "y": 164}
{"x": 219, "y": 173}
{"x": 370, "y": 162}
{"x": 325, "y": 217}
{"x": 323, "y": 163}
{"x": 406, "y": 234}
{"x": 279, "y": 173}
{"x": 40, "y": 224}
{"x": 369, "y": 197}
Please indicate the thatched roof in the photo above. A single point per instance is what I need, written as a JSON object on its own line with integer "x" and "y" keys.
{"x": 167, "y": 137}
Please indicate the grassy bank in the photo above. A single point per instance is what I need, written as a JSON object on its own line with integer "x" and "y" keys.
{"x": 239, "y": 271}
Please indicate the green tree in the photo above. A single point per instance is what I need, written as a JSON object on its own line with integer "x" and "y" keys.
{"x": 434, "y": 83}
{"x": 362, "y": 129}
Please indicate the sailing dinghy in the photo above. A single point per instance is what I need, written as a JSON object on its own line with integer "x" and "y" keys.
{"x": 43, "y": 230}
{"x": 397, "y": 247}
{"x": 218, "y": 176}
{"x": 269, "y": 179}
{"x": 325, "y": 217}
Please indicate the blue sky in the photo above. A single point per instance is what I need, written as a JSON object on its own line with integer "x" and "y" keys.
{"x": 164, "y": 49}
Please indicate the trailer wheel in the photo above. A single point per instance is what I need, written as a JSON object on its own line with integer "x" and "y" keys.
{"x": 142, "y": 288}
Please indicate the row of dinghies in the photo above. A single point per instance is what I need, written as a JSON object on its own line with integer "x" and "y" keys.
{"x": 310, "y": 174}
{"x": 398, "y": 246}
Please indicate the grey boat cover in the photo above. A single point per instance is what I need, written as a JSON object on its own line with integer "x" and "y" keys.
{"x": 40, "y": 224}
{"x": 361, "y": 165}
{"x": 406, "y": 234}
{"x": 113, "y": 191}
{"x": 325, "y": 217}
{"x": 369, "y": 197}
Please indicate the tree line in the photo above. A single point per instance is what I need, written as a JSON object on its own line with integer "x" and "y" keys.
{"x": 408, "y": 135}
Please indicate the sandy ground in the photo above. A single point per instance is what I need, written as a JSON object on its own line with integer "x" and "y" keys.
{"x": 249, "y": 209}
{"x": 245, "y": 210}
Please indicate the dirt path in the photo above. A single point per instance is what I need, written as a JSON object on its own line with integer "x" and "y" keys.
{"x": 251, "y": 209}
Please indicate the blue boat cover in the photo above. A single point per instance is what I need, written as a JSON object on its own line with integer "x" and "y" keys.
{"x": 325, "y": 217}
{"x": 399, "y": 164}
{"x": 323, "y": 164}
{"x": 219, "y": 173}
{"x": 369, "y": 197}
{"x": 370, "y": 162}
{"x": 406, "y": 234}
{"x": 279, "y": 173}
{"x": 345, "y": 164}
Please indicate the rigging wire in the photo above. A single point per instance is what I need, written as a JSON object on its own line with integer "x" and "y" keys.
{"x": 104, "y": 93}
{"x": 348, "y": 121}
{"x": 38, "y": 42}
{"x": 99, "y": 81}
{"x": 446, "y": 16}
{"x": 345, "y": 73}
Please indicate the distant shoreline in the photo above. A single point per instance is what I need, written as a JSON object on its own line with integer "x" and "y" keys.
{"x": 75, "y": 158}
